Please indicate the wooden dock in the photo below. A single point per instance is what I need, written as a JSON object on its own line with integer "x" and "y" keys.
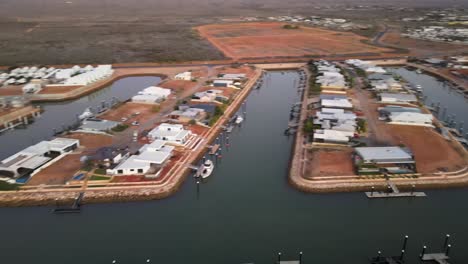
{"x": 214, "y": 149}
{"x": 393, "y": 192}
{"x": 440, "y": 258}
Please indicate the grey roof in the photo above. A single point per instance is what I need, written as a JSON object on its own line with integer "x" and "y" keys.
{"x": 400, "y": 97}
{"x": 98, "y": 125}
{"x": 392, "y": 109}
{"x": 385, "y": 154}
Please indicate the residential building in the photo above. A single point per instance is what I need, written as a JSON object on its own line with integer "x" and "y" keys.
{"x": 172, "y": 133}
{"x": 377, "y": 160}
{"x": 151, "y": 95}
{"x": 186, "y": 76}
{"x": 223, "y": 83}
{"x": 332, "y": 136}
{"x": 31, "y": 158}
{"x": 336, "y": 103}
{"x": 410, "y": 118}
{"x": 398, "y": 98}
{"x": 188, "y": 114}
{"x": 150, "y": 159}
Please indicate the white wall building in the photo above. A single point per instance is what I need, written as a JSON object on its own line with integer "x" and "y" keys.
{"x": 151, "y": 95}
{"x": 186, "y": 76}
{"x": 35, "y": 156}
{"x": 172, "y": 133}
{"x": 410, "y": 118}
{"x": 149, "y": 160}
{"x": 336, "y": 103}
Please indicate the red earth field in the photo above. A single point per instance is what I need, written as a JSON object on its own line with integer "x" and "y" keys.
{"x": 256, "y": 40}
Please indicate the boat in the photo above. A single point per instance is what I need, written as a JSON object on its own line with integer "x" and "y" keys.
{"x": 207, "y": 169}
{"x": 239, "y": 119}
{"x": 86, "y": 114}
{"x": 418, "y": 71}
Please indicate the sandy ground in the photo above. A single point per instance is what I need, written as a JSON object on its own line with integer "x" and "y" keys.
{"x": 420, "y": 47}
{"x": 126, "y": 110}
{"x": 432, "y": 152}
{"x": 64, "y": 169}
{"x": 11, "y": 90}
{"x": 327, "y": 162}
{"x": 58, "y": 89}
{"x": 59, "y": 172}
{"x": 178, "y": 86}
{"x": 269, "y": 39}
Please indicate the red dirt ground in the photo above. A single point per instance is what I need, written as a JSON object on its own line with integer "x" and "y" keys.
{"x": 328, "y": 162}
{"x": 127, "y": 109}
{"x": 255, "y": 40}
{"x": 58, "y": 89}
{"x": 59, "y": 172}
{"x": 432, "y": 152}
{"x": 178, "y": 85}
{"x": 11, "y": 90}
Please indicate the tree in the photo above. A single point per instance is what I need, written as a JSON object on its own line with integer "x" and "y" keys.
{"x": 309, "y": 126}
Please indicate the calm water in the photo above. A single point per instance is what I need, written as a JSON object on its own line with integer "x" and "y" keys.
{"x": 61, "y": 114}
{"x": 439, "y": 92}
{"x": 246, "y": 212}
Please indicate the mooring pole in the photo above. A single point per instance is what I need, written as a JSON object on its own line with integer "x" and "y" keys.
{"x": 405, "y": 242}
{"x": 402, "y": 254}
{"x": 279, "y": 257}
{"x": 447, "y": 237}
{"x": 372, "y": 191}
{"x": 300, "y": 257}
{"x": 423, "y": 251}
{"x": 447, "y": 250}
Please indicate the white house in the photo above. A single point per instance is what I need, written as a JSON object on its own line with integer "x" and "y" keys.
{"x": 223, "y": 83}
{"x": 151, "y": 95}
{"x": 172, "y": 133}
{"x": 410, "y": 118}
{"x": 35, "y": 156}
{"x": 397, "y": 98}
{"x": 186, "y": 76}
{"x": 149, "y": 160}
{"x": 337, "y": 103}
{"x": 332, "y": 136}
{"x": 31, "y": 88}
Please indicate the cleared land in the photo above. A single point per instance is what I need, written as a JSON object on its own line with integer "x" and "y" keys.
{"x": 270, "y": 39}
{"x": 329, "y": 162}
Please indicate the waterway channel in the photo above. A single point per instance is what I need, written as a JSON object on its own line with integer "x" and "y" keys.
{"x": 439, "y": 92}
{"x": 245, "y": 213}
{"x": 63, "y": 114}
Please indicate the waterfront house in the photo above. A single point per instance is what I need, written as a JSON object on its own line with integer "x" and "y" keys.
{"x": 188, "y": 114}
{"x": 185, "y": 76}
{"x": 410, "y": 118}
{"x": 151, "y": 95}
{"x": 31, "y": 158}
{"x": 336, "y": 103}
{"x": 149, "y": 160}
{"x": 332, "y": 136}
{"x": 378, "y": 160}
{"x": 398, "y": 98}
{"x": 223, "y": 83}
{"x": 172, "y": 133}
{"x": 97, "y": 125}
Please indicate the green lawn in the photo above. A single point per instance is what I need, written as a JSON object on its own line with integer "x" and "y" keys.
{"x": 99, "y": 178}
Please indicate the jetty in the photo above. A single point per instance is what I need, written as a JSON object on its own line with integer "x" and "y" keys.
{"x": 213, "y": 149}
{"x": 75, "y": 208}
{"x": 439, "y": 257}
{"x": 393, "y": 192}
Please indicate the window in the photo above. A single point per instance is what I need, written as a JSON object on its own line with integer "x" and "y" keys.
{"x": 140, "y": 170}
{"x": 120, "y": 171}
{"x": 132, "y": 170}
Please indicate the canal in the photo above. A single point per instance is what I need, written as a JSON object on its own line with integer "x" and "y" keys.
{"x": 63, "y": 114}
{"x": 245, "y": 213}
{"x": 439, "y": 91}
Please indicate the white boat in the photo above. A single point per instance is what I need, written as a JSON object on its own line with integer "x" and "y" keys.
{"x": 207, "y": 169}
{"x": 86, "y": 114}
{"x": 239, "y": 119}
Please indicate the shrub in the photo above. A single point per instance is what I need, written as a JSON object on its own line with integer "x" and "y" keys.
{"x": 120, "y": 128}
